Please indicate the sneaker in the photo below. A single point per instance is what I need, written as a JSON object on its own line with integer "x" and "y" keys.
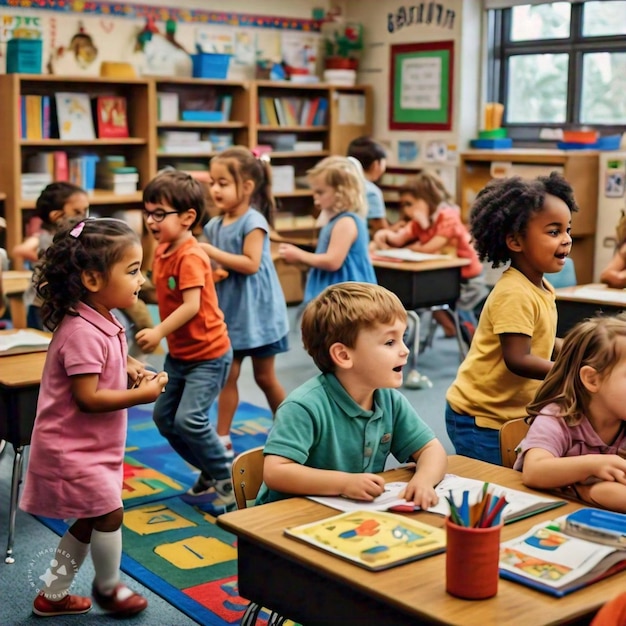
{"x": 202, "y": 486}
{"x": 70, "y": 605}
{"x": 122, "y": 602}
{"x": 224, "y": 489}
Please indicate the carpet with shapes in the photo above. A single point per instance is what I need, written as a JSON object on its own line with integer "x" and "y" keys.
{"x": 175, "y": 549}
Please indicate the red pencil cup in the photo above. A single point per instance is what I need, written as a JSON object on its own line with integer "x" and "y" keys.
{"x": 472, "y": 556}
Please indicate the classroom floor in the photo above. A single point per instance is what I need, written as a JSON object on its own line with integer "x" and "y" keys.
{"x": 439, "y": 363}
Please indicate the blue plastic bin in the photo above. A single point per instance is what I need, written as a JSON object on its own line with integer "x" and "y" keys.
{"x": 210, "y": 65}
{"x": 24, "y": 56}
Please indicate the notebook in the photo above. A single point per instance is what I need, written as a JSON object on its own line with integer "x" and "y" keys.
{"x": 404, "y": 254}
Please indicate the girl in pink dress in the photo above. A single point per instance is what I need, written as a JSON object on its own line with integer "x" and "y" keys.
{"x": 76, "y": 459}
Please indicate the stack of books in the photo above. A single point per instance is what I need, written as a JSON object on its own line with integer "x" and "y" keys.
{"x": 113, "y": 174}
{"x": 184, "y": 141}
{"x": 34, "y": 183}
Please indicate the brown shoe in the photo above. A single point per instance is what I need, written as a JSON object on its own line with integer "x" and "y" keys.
{"x": 122, "y": 602}
{"x": 70, "y": 605}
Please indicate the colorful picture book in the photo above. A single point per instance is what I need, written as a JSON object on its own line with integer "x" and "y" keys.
{"x": 520, "y": 504}
{"x": 548, "y": 559}
{"x": 111, "y": 116}
{"x": 372, "y": 539}
{"x": 73, "y": 111}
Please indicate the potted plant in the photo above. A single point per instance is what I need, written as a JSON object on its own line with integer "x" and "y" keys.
{"x": 342, "y": 43}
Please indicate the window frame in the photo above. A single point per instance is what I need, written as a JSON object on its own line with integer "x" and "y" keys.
{"x": 501, "y": 48}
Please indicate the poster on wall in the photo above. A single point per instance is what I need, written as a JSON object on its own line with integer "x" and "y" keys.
{"x": 420, "y": 89}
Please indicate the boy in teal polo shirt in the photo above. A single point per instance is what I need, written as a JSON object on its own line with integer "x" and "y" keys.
{"x": 334, "y": 433}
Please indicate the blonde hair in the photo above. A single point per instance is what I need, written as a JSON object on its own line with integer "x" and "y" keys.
{"x": 592, "y": 342}
{"x": 347, "y": 180}
{"x": 429, "y": 187}
{"x": 340, "y": 312}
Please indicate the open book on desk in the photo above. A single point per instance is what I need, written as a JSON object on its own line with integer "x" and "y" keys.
{"x": 549, "y": 559}
{"x": 23, "y": 341}
{"x": 520, "y": 504}
{"x": 372, "y": 539}
{"x": 404, "y": 254}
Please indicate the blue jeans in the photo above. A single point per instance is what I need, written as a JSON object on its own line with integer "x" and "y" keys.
{"x": 181, "y": 412}
{"x": 471, "y": 440}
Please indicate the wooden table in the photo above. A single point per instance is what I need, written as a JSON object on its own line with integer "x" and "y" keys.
{"x": 422, "y": 285}
{"x": 316, "y": 588}
{"x": 14, "y": 284}
{"x": 20, "y": 375}
{"x": 577, "y": 303}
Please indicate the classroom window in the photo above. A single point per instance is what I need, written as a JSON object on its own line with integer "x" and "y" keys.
{"x": 559, "y": 65}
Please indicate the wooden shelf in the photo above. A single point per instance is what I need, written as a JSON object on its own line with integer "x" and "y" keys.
{"x": 191, "y": 125}
{"x": 296, "y": 154}
{"x": 60, "y": 143}
{"x": 291, "y": 129}
{"x": 97, "y": 197}
{"x": 296, "y": 193}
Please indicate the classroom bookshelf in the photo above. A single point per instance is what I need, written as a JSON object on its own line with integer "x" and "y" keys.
{"x": 137, "y": 149}
{"x": 213, "y": 114}
{"x": 580, "y": 169}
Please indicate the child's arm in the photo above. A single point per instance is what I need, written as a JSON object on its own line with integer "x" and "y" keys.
{"x": 516, "y": 351}
{"x": 91, "y": 399}
{"x": 432, "y": 463}
{"x": 246, "y": 263}
{"x": 282, "y": 474}
{"x": 28, "y": 249}
{"x": 343, "y": 235}
{"x": 148, "y": 338}
{"x": 387, "y": 237}
{"x": 542, "y": 470}
{"x": 432, "y": 246}
{"x": 614, "y": 274}
{"x": 610, "y": 495}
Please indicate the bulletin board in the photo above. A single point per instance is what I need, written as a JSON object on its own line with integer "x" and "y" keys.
{"x": 420, "y": 87}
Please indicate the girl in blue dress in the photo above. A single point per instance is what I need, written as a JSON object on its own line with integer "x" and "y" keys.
{"x": 342, "y": 249}
{"x": 250, "y": 295}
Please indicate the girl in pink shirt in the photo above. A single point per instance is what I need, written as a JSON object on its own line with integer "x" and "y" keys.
{"x": 75, "y": 466}
{"x": 577, "y": 436}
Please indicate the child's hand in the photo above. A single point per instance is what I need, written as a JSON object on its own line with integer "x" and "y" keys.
{"x": 363, "y": 486}
{"x": 152, "y": 385}
{"x": 419, "y": 493}
{"x": 136, "y": 370}
{"x": 289, "y": 252}
{"x": 610, "y": 467}
{"x": 380, "y": 239}
{"x": 148, "y": 339}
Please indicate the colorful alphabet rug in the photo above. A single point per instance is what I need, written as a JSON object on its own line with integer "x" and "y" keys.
{"x": 171, "y": 547}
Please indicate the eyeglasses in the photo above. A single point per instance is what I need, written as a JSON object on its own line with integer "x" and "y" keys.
{"x": 158, "y": 216}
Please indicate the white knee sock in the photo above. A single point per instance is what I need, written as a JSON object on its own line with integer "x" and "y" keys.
{"x": 106, "y": 553}
{"x": 64, "y": 565}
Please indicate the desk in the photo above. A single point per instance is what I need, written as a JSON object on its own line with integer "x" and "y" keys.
{"x": 20, "y": 375}
{"x": 422, "y": 285}
{"x": 315, "y": 588}
{"x": 14, "y": 284}
{"x": 577, "y": 303}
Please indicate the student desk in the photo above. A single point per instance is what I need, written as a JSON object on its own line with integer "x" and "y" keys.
{"x": 315, "y": 588}
{"x": 422, "y": 285}
{"x": 14, "y": 284}
{"x": 20, "y": 375}
{"x": 577, "y": 303}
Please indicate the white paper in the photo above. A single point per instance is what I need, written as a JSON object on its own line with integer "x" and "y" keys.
{"x": 21, "y": 339}
{"x": 351, "y": 109}
{"x": 388, "y": 498}
{"x": 404, "y": 254}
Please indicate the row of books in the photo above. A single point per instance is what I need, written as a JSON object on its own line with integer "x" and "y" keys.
{"x": 72, "y": 116}
{"x": 293, "y": 111}
{"x": 208, "y": 107}
{"x": 192, "y": 142}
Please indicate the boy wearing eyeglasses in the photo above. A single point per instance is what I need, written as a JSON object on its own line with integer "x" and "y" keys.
{"x": 199, "y": 351}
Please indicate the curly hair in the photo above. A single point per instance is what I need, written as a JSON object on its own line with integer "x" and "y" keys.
{"x": 340, "y": 312}
{"x": 243, "y": 165}
{"x": 53, "y": 198}
{"x": 591, "y": 342}
{"x": 177, "y": 190}
{"x": 504, "y": 208}
{"x": 58, "y": 279}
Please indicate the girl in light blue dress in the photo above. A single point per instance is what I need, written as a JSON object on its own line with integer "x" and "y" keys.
{"x": 250, "y": 295}
{"x": 341, "y": 253}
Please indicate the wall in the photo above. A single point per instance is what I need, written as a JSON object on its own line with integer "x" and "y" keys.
{"x": 386, "y": 24}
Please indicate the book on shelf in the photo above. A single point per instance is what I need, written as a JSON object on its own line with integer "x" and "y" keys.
{"x": 521, "y": 504}
{"x": 372, "y": 539}
{"x": 111, "y": 115}
{"x": 167, "y": 106}
{"x": 54, "y": 164}
{"x": 548, "y": 558}
{"x": 73, "y": 114}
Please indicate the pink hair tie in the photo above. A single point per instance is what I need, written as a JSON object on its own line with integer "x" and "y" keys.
{"x": 77, "y": 230}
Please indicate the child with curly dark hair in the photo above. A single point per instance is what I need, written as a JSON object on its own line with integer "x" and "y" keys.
{"x": 76, "y": 467}
{"x": 526, "y": 222}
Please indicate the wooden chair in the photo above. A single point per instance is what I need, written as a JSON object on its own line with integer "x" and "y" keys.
{"x": 511, "y": 434}
{"x": 247, "y": 475}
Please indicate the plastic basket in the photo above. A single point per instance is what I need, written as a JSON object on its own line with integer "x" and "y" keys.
{"x": 210, "y": 65}
{"x": 24, "y": 56}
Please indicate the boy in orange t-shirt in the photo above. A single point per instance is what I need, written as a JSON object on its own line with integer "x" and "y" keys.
{"x": 200, "y": 354}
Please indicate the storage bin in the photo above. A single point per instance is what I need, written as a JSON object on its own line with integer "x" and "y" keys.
{"x": 210, "y": 65}
{"x": 24, "y": 56}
